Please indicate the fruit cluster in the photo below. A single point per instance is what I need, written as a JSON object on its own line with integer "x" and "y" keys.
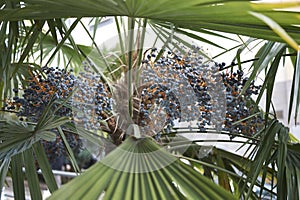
{"x": 239, "y": 104}
{"x": 55, "y": 86}
{"x": 200, "y": 92}
{"x": 158, "y": 108}
{"x": 92, "y": 102}
{"x": 49, "y": 86}
{"x": 195, "y": 84}
{"x": 176, "y": 86}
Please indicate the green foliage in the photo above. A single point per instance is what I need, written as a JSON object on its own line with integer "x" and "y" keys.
{"x": 229, "y": 16}
{"x": 33, "y": 33}
{"x": 140, "y": 169}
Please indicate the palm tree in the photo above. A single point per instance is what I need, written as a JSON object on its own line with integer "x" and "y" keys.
{"x": 26, "y": 42}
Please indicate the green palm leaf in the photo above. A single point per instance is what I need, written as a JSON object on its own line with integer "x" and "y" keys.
{"x": 16, "y": 137}
{"x": 229, "y": 16}
{"x": 140, "y": 169}
{"x": 292, "y": 171}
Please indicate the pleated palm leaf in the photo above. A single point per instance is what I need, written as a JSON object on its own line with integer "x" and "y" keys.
{"x": 140, "y": 169}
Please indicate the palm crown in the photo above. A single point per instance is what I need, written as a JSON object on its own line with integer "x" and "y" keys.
{"x": 34, "y": 34}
